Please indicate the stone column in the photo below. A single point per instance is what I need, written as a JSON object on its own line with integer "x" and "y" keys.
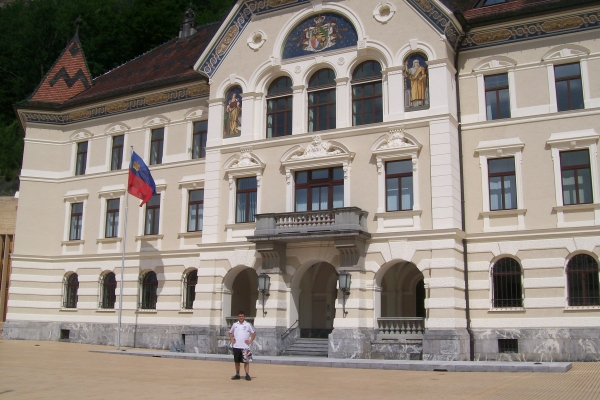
{"x": 342, "y": 101}
{"x": 271, "y": 325}
{"x": 352, "y": 333}
{"x": 395, "y": 93}
{"x": 299, "y": 106}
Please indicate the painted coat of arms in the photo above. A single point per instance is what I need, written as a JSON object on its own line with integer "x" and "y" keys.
{"x": 321, "y": 36}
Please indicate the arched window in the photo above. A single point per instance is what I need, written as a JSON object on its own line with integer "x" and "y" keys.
{"x": 321, "y": 100}
{"x": 108, "y": 287}
{"x": 507, "y": 284}
{"x": 416, "y": 82}
{"x": 149, "y": 285}
{"x": 279, "y": 107}
{"x": 70, "y": 294}
{"x": 232, "y": 119}
{"x": 189, "y": 289}
{"x": 367, "y": 103}
{"x": 582, "y": 280}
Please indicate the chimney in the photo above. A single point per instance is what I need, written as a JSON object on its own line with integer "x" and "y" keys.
{"x": 188, "y": 27}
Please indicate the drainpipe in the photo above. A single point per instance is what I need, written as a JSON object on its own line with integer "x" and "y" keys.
{"x": 462, "y": 195}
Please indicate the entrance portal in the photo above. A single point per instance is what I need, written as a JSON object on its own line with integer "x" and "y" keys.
{"x": 244, "y": 293}
{"x": 318, "y": 294}
{"x": 403, "y": 292}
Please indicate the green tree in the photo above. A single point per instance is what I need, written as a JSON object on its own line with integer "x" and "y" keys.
{"x": 35, "y": 32}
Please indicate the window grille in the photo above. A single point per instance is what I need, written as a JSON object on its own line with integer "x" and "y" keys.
{"x": 189, "y": 286}
{"x": 582, "y": 280}
{"x": 508, "y": 346}
{"x": 507, "y": 284}
{"x": 149, "y": 286}
{"x": 109, "y": 288}
{"x": 71, "y": 287}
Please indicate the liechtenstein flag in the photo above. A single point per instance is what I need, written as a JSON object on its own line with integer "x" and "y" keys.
{"x": 141, "y": 184}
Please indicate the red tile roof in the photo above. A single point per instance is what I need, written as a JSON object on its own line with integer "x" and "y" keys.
{"x": 68, "y": 77}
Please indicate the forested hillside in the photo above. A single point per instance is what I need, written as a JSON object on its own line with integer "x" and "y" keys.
{"x": 34, "y": 32}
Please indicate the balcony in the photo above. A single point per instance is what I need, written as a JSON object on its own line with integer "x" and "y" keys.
{"x": 346, "y": 227}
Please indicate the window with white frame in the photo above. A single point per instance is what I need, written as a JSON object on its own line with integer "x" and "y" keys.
{"x": 319, "y": 189}
{"x": 399, "y": 185}
{"x": 116, "y": 153}
{"x": 244, "y": 172}
{"x": 152, "y": 216}
{"x": 569, "y": 88}
{"x": 157, "y": 140}
{"x": 574, "y": 155}
{"x": 81, "y": 158}
{"x": 76, "y": 221}
{"x": 199, "y": 139}
{"x": 501, "y": 182}
{"x": 497, "y": 98}
{"x": 245, "y": 199}
{"x": 195, "y": 210}
{"x": 111, "y": 227}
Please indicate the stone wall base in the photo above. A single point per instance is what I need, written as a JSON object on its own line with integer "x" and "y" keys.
{"x": 350, "y": 343}
{"x": 446, "y": 345}
{"x": 410, "y": 349}
{"x": 539, "y": 345}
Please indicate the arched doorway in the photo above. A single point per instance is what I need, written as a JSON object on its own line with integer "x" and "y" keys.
{"x": 402, "y": 292}
{"x": 244, "y": 293}
{"x": 318, "y": 294}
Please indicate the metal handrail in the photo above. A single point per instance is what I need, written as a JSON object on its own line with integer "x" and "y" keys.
{"x": 287, "y": 332}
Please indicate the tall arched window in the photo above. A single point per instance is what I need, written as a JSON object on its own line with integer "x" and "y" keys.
{"x": 367, "y": 102}
{"x": 108, "y": 287}
{"x": 582, "y": 281}
{"x": 149, "y": 285}
{"x": 70, "y": 293}
{"x": 507, "y": 284}
{"x": 321, "y": 100}
{"x": 189, "y": 289}
{"x": 279, "y": 107}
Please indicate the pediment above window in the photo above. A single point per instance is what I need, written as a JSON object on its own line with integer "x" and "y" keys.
{"x": 116, "y": 128}
{"x": 318, "y": 152}
{"x": 493, "y": 63}
{"x": 244, "y": 163}
{"x": 81, "y": 134}
{"x": 566, "y": 51}
{"x": 396, "y": 142}
{"x": 156, "y": 121}
{"x": 195, "y": 113}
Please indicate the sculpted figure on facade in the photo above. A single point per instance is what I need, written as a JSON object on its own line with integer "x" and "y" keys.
{"x": 317, "y": 148}
{"x": 396, "y": 139}
{"x": 416, "y": 92}
{"x": 233, "y": 112}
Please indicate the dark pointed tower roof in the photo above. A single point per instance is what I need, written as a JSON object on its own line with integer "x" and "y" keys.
{"x": 68, "y": 77}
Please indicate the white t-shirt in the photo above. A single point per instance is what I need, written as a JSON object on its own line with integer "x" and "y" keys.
{"x": 241, "y": 333}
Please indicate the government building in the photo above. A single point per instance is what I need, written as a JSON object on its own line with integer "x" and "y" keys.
{"x": 404, "y": 179}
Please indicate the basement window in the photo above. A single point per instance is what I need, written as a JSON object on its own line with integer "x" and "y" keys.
{"x": 508, "y": 346}
{"x": 64, "y": 334}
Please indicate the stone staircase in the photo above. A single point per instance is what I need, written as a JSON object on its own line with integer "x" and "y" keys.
{"x": 303, "y": 347}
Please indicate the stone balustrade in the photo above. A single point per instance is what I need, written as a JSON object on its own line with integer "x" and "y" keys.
{"x": 400, "y": 328}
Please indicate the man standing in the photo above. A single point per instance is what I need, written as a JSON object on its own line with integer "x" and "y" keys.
{"x": 242, "y": 335}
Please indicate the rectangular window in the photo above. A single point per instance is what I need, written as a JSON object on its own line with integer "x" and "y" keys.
{"x": 367, "y": 103}
{"x": 156, "y": 146}
{"x": 246, "y": 200}
{"x": 576, "y": 177}
{"x": 497, "y": 99}
{"x": 279, "y": 116}
{"x": 508, "y": 345}
{"x": 195, "y": 210}
{"x": 116, "y": 155}
{"x": 152, "y": 215}
{"x": 81, "y": 158}
{"x": 321, "y": 110}
{"x": 320, "y": 189}
{"x": 569, "y": 91}
{"x": 399, "y": 185}
{"x": 199, "y": 139}
{"x": 76, "y": 221}
{"x": 111, "y": 229}
{"x": 503, "y": 184}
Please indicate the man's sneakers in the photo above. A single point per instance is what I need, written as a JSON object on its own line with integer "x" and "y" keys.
{"x": 248, "y": 377}
{"x": 235, "y": 377}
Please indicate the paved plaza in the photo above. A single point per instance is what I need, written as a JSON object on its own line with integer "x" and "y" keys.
{"x": 50, "y": 370}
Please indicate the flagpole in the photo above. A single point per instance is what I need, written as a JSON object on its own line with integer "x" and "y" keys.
{"x": 123, "y": 261}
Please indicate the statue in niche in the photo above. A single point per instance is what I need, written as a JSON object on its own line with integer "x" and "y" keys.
{"x": 233, "y": 112}
{"x": 416, "y": 82}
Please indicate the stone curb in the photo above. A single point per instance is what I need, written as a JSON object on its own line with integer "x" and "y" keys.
{"x": 439, "y": 366}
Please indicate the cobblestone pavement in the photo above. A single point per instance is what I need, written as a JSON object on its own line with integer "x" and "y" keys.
{"x": 51, "y": 370}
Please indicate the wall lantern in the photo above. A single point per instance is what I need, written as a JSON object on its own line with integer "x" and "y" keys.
{"x": 344, "y": 279}
{"x": 264, "y": 281}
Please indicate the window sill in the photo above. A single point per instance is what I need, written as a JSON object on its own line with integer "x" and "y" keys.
{"x": 106, "y": 310}
{"x": 140, "y": 311}
{"x": 582, "y": 308}
{"x": 189, "y": 234}
{"x": 72, "y": 242}
{"x": 503, "y": 213}
{"x": 577, "y": 207}
{"x": 109, "y": 240}
{"x": 241, "y": 225}
{"x": 507, "y": 309}
{"x": 399, "y": 214}
{"x": 68, "y": 309}
{"x": 148, "y": 237}
{"x": 186, "y": 311}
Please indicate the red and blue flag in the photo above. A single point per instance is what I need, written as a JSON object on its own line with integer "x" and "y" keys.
{"x": 140, "y": 184}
